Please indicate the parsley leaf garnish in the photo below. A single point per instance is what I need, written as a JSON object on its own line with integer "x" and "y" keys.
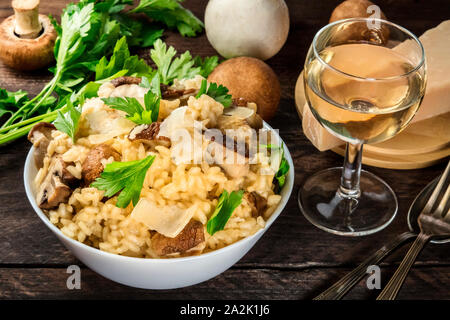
{"x": 282, "y": 172}
{"x": 68, "y": 122}
{"x": 127, "y": 177}
{"x": 207, "y": 64}
{"x": 224, "y": 209}
{"x": 171, "y": 13}
{"x": 218, "y": 93}
{"x": 133, "y": 108}
{"x": 170, "y": 68}
{"x": 283, "y": 169}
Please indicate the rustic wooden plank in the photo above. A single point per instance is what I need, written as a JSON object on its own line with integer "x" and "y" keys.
{"x": 50, "y": 283}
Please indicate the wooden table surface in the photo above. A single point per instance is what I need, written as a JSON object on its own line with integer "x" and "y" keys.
{"x": 294, "y": 259}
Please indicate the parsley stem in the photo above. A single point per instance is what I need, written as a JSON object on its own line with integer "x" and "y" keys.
{"x": 54, "y": 82}
{"x": 33, "y": 120}
{"x": 15, "y": 134}
{"x": 25, "y": 106}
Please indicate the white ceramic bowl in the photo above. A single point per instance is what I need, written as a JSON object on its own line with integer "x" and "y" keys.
{"x": 157, "y": 273}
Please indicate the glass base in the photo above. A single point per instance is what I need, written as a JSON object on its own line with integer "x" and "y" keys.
{"x": 328, "y": 209}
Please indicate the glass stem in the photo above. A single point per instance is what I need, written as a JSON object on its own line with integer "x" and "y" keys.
{"x": 351, "y": 171}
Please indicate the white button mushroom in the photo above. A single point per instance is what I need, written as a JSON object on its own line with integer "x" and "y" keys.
{"x": 255, "y": 28}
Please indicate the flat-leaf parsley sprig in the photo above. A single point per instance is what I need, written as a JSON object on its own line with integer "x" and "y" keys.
{"x": 228, "y": 202}
{"x": 172, "y": 14}
{"x": 126, "y": 177}
{"x": 182, "y": 67}
{"x": 169, "y": 67}
{"x": 68, "y": 122}
{"x": 207, "y": 64}
{"x": 133, "y": 108}
{"x": 218, "y": 93}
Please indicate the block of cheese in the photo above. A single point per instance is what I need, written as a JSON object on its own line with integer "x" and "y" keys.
{"x": 318, "y": 135}
{"x": 437, "y": 96}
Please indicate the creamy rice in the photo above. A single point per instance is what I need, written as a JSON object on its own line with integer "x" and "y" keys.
{"x": 91, "y": 219}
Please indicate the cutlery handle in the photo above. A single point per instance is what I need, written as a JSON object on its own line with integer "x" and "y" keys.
{"x": 340, "y": 288}
{"x": 393, "y": 287}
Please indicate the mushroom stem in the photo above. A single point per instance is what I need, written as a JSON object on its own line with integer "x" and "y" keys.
{"x": 26, "y": 12}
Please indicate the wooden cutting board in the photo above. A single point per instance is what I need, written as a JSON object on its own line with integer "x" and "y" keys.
{"x": 420, "y": 145}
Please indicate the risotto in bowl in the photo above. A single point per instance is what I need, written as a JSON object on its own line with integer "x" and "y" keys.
{"x": 161, "y": 198}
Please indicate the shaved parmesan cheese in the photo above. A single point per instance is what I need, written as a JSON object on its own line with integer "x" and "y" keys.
{"x": 437, "y": 51}
{"x": 106, "y": 125}
{"x": 175, "y": 121}
{"x": 186, "y": 84}
{"x": 105, "y": 90}
{"x": 318, "y": 135}
{"x": 129, "y": 90}
{"x": 101, "y": 123}
{"x": 185, "y": 135}
{"x": 168, "y": 221}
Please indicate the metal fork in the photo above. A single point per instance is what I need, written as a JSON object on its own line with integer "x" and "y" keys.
{"x": 432, "y": 224}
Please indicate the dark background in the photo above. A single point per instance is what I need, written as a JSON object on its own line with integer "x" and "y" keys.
{"x": 293, "y": 260}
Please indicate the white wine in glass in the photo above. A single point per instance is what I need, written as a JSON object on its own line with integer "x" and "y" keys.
{"x": 363, "y": 84}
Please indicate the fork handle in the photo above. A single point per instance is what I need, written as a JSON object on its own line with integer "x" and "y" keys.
{"x": 393, "y": 287}
{"x": 341, "y": 287}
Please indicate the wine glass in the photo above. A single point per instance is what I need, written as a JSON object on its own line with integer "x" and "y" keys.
{"x": 364, "y": 80}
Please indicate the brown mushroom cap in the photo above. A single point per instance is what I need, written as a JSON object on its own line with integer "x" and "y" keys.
{"x": 353, "y": 9}
{"x": 191, "y": 236}
{"x": 167, "y": 92}
{"x": 117, "y": 82}
{"x": 148, "y": 134}
{"x": 65, "y": 175}
{"x": 359, "y": 31}
{"x": 42, "y": 127}
{"x": 256, "y": 203}
{"x": 252, "y": 80}
{"x": 27, "y": 54}
{"x": 92, "y": 166}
